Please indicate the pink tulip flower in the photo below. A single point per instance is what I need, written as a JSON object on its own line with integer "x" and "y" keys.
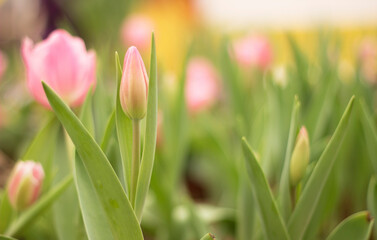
{"x": 25, "y": 184}
{"x": 63, "y": 63}
{"x": 253, "y": 51}
{"x": 3, "y": 64}
{"x": 134, "y": 85}
{"x": 202, "y": 85}
{"x": 368, "y": 60}
{"x": 136, "y": 30}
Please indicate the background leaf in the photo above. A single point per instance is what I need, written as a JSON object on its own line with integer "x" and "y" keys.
{"x": 307, "y": 203}
{"x": 272, "y": 222}
{"x": 357, "y": 226}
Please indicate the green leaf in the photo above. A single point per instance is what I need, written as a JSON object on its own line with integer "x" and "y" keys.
{"x": 307, "y": 204}
{"x": 370, "y": 134}
{"x": 96, "y": 224}
{"x": 6, "y": 238}
{"x": 38, "y": 152}
{"x": 66, "y": 212}
{"x": 208, "y": 236}
{"x": 271, "y": 219}
{"x": 150, "y": 137}
{"x": 38, "y": 208}
{"x": 357, "y": 226}
{"x": 124, "y": 130}
{"x": 95, "y": 220}
{"x": 122, "y": 220}
{"x": 6, "y": 213}
{"x": 284, "y": 190}
{"x": 371, "y": 201}
{"x": 108, "y": 132}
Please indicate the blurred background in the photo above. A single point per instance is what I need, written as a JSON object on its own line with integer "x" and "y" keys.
{"x": 303, "y": 46}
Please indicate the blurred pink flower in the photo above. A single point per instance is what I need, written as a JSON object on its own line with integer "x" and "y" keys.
{"x": 136, "y": 30}
{"x": 202, "y": 84}
{"x": 253, "y": 51}
{"x": 3, "y": 64}
{"x": 368, "y": 59}
{"x": 63, "y": 63}
{"x": 24, "y": 184}
{"x": 134, "y": 85}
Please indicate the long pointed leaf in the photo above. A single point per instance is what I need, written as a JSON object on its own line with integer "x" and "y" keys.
{"x": 357, "y": 226}
{"x": 284, "y": 191}
{"x": 124, "y": 130}
{"x": 272, "y": 221}
{"x": 122, "y": 220}
{"x": 150, "y": 137}
{"x": 371, "y": 201}
{"x": 307, "y": 203}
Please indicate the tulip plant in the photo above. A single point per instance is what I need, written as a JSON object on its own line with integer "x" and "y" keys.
{"x": 236, "y": 153}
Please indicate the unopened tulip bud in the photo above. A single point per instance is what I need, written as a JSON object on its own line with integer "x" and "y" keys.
{"x": 24, "y": 184}
{"x": 134, "y": 85}
{"x": 300, "y": 157}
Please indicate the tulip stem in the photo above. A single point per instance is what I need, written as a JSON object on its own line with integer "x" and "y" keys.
{"x": 135, "y": 158}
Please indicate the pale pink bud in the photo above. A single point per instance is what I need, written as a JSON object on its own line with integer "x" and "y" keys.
{"x": 134, "y": 85}
{"x": 202, "y": 85}
{"x": 253, "y": 51}
{"x": 300, "y": 156}
{"x": 136, "y": 30}
{"x": 63, "y": 63}
{"x": 25, "y": 184}
{"x": 3, "y": 64}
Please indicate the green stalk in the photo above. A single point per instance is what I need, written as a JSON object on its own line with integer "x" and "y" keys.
{"x": 135, "y": 158}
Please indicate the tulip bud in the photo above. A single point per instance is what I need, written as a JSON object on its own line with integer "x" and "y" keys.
{"x": 300, "y": 157}
{"x": 24, "y": 184}
{"x": 134, "y": 85}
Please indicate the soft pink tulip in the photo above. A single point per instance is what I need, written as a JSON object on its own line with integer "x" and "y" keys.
{"x": 134, "y": 85}
{"x": 368, "y": 59}
{"x": 3, "y": 64}
{"x": 136, "y": 30}
{"x": 253, "y": 51}
{"x": 63, "y": 63}
{"x": 202, "y": 84}
{"x": 25, "y": 184}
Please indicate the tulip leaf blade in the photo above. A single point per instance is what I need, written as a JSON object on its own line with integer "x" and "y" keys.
{"x": 124, "y": 130}
{"x": 6, "y": 212}
{"x": 96, "y": 224}
{"x": 308, "y": 201}
{"x": 122, "y": 220}
{"x": 371, "y": 200}
{"x": 370, "y": 134}
{"x": 208, "y": 236}
{"x": 284, "y": 191}
{"x": 272, "y": 222}
{"x": 150, "y": 136}
{"x": 6, "y": 238}
{"x": 357, "y": 226}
